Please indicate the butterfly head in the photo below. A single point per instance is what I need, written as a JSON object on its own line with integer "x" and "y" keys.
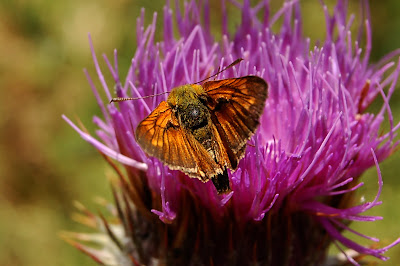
{"x": 188, "y": 103}
{"x": 182, "y": 95}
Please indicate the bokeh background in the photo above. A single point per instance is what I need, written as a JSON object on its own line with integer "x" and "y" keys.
{"x": 45, "y": 166}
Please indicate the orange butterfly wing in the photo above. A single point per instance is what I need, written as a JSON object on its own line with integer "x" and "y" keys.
{"x": 236, "y": 105}
{"x": 161, "y": 136}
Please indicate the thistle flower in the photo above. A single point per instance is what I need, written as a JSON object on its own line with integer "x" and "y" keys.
{"x": 293, "y": 192}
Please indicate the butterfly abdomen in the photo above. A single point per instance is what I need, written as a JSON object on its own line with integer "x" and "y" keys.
{"x": 221, "y": 182}
{"x": 196, "y": 120}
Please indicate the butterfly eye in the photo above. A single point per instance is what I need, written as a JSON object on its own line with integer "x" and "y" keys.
{"x": 203, "y": 99}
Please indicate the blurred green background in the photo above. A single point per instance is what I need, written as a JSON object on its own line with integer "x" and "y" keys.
{"x": 45, "y": 165}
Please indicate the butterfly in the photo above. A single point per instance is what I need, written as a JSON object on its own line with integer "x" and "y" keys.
{"x": 202, "y": 130}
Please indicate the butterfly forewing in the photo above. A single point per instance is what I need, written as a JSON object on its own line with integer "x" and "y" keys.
{"x": 236, "y": 105}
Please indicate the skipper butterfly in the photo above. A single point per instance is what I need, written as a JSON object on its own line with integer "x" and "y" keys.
{"x": 203, "y": 130}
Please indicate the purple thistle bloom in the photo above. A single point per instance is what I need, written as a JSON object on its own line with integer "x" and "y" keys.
{"x": 291, "y": 194}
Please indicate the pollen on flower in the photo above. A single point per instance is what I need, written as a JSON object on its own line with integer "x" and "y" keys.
{"x": 293, "y": 193}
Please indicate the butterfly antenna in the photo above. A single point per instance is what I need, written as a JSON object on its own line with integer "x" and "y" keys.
{"x": 122, "y": 99}
{"x": 237, "y": 61}
{"x": 219, "y": 68}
